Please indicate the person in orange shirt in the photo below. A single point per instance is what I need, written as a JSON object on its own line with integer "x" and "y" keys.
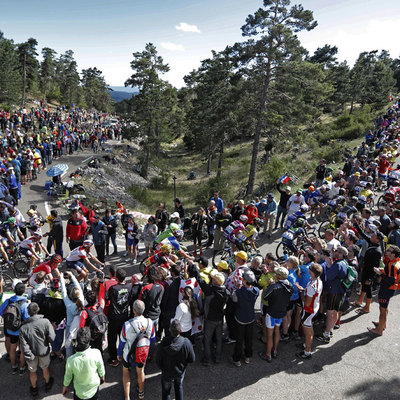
{"x": 251, "y": 212}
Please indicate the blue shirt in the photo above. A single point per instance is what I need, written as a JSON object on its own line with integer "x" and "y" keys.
{"x": 219, "y": 203}
{"x": 97, "y": 237}
{"x": 293, "y": 278}
{"x": 305, "y": 276}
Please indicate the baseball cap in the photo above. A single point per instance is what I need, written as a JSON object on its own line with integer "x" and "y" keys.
{"x": 288, "y": 188}
{"x": 175, "y": 215}
{"x": 241, "y": 202}
{"x": 249, "y": 276}
{"x": 299, "y": 190}
{"x": 241, "y": 254}
{"x": 15, "y": 282}
{"x": 281, "y": 271}
{"x": 223, "y": 264}
{"x": 218, "y": 277}
{"x": 342, "y": 250}
{"x": 263, "y": 201}
{"x": 270, "y": 195}
{"x": 253, "y": 203}
{"x": 357, "y": 174}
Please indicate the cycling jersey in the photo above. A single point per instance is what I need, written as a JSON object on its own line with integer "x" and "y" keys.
{"x": 232, "y": 229}
{"x": 289, "y": 236}
{"x": 172, "y": 241}
{"x": 313, "y": 290}
{"x": 77, "y": 254}
{"x": 46, "y": 267}
{"x": 157, "y": 258}
{"x": 291, "y": 219}
{"x": 29, "y": 243}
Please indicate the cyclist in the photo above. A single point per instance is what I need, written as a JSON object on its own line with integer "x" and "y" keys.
{"x": 168, "y": 232}
{"x": 29, "y": 245}
{"x": 161, "y": 258}
{"x": 10, "y": 231}
{"x": 301, "y": 214}
{"x": 234, "y": 228}
{"x": 47, "y": 267}
{"x": 318, "y": 200}
{"x": 174, "y": 242}
{"x": 82, "y": 254}
{"x": 291, "y": 236}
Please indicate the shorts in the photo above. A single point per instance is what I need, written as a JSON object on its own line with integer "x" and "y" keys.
{"x": 76, "y": 265}
{"x": 131, "y": 242}
{"x": 384, "y": 296}
{"x": 26, "y": 252}
{"x": 306, "y": 319}
{"x": 140, "y": 358}
{"x": 382, "y": 176}
{"x": 13, "y": 338}
{"x": 334, "y": 301}
{"x": 272, "y": 322}
{"x": 43, "y": 362}
{"x": 292, "y": 303}
{"x": 197, "y": 236}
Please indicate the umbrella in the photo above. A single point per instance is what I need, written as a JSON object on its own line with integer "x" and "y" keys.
{"x": 56, "y": 170}
{"x": 2, "y": 189}
{"x": 6, "y": 204}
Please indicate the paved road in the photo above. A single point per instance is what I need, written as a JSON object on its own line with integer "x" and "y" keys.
{"x": 354, "y": 365}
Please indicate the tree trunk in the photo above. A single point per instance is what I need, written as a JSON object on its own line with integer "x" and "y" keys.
{"x": 257, "y": 135}
{"x": 351, "y": 106}
{"x": 24, "y": 83}
{"x": 209, "y": 163}
{"x": 220, "y": 160}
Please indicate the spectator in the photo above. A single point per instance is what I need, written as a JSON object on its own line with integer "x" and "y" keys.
{"x": 173, "y": 355}
{"x": 35, "y": 335}
{"x": 85, "y": 368}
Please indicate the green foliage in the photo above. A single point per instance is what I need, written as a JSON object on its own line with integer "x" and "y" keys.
{"x": 332, "y": 152}
{"x": 276, "y": 167}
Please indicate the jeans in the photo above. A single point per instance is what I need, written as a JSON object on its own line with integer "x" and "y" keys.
{"x": 281, "y": 211}
{"x": 230, "y": 317}
{"x": 244, "y": 334}
{"x": 166, "y": 386}
{"x": 113, "y": 237}
{"x": 211, "y": 327}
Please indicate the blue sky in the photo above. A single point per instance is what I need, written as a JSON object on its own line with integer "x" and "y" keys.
{"x": 104, "y": 34}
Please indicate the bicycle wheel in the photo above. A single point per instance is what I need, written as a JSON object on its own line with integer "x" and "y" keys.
{"x": 222, "y": 255}
{"x": 7, "y": 285}
{"x": 381, "y": 201}
{"x": 20, "y": 267}
{"x": 322, "y": 228}
{"x": 282, "y": 250}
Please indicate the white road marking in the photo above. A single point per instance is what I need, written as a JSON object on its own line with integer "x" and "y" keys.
{"x": 47, "y": 207}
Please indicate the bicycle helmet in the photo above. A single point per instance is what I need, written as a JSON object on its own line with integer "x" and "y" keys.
{"x": 55, "y": 284}
{"x": 300, "y": 222}
{"x": 257, "y": 221}
{"x": 304, "y": 207}
{"x": 56, "y": 258}
{"x": 173, "y": 227}
{"x": 178, "y": 233}
{"x": 340, "y": 200}
{"x": 166, "y": 248}
{"x": 87, "y": 243}
{"x": 342, "y": 192}
{"x": 11, "y": 220}
{"x": 243, "y": 218}
{"x": 37, "y": 235}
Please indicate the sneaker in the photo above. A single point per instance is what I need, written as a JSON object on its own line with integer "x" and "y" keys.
{"x": 324, "y": 339}
{"x": 236, "y": 363}
{"x": 264, "y": 357}
{"x": 337, "y": 326}
{"x": 285, "y": 338}
{"x": 34, "y": 391}
{"x": 303, "y": 355}
{"x": 49, "y": 384}
{"x": 274, "y": 354}
{"x": 22, "y": 371}
{"x": 113, "y": 363}
{"x": 300, "y": 346}
{"x": 331, "y": 334}
{"x": 296, "y": 336}
{"x": 247, "y": 360}
{"x": 14, "y": 370}
{"x": 126, "y": 254}
{"x": 134, "y": 261}
{"x": 228, "y": 340}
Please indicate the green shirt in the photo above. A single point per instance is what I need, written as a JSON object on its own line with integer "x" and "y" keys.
{"x": 85, "y": 368}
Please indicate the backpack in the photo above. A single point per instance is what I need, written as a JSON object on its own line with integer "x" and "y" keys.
{"x": 98, "y": 322}
{"x": 350, "y": 278}
{"x": 142, "y": 340}
{"x": 13, "y": 316}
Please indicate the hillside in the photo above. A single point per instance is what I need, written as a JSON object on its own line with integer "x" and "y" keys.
{"x": 119, "y": 93}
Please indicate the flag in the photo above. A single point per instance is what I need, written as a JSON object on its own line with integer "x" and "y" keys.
{"x": 284, "y": 179}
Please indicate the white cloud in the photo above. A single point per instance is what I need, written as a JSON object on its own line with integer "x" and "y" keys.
{"x": 172, "y": 46}
{"x": 184, "y": 27}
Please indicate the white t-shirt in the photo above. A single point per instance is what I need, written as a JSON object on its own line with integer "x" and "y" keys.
{"x": 183, "y": 315}
{"x": 295, "y": 202}
{"x": 77, "y": 254}
{"x": 333, "y": 191}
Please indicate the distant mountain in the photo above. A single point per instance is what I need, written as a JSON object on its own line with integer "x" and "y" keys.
{"x": 119, "y": 93}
